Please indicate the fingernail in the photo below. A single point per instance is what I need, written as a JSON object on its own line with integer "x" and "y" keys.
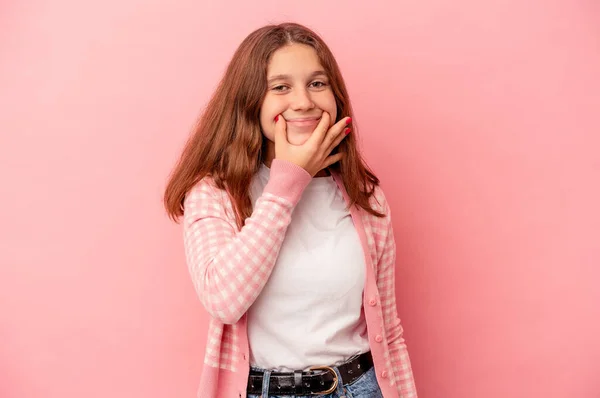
{"x": 349, "y": 120}
{"x": 276, "y": 118}
{"x": 347, "y": 131}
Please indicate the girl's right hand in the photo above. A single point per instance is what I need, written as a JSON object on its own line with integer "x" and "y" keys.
{"x": 314, "y": 155}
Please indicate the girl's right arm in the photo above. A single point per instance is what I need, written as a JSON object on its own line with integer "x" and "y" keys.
{"x": 230, "y": 267}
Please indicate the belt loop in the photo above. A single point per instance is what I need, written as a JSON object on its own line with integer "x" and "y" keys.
{"x": 265, "y": 383}
{"x": 298, "y": 387}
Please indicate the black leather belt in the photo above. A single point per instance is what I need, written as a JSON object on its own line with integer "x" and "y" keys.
{"x": 318, "y": 380}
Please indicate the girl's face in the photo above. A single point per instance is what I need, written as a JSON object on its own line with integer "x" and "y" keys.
{"x": 297, "y": 89}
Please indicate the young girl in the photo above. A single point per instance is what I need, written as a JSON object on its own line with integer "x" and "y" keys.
{"x": 288, "y": 235}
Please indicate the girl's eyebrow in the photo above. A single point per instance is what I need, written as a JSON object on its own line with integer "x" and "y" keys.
{"x": 288, "y": 77}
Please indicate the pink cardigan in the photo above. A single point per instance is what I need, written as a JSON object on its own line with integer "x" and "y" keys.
{"x": 229, "y": 268}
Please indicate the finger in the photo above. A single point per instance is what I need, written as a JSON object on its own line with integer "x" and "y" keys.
{"x": 339, "y": 129}
{"x": 280, "y": 130}
{"x": 321, "y": 130}
{"x": 332, "y": 159}
{"x": 340, "y": 137}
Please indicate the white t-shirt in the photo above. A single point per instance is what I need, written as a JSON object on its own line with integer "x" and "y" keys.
{"x": 310, "y": 311}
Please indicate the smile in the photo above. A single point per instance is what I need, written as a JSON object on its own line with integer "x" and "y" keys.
{"x": 306, "y": 121}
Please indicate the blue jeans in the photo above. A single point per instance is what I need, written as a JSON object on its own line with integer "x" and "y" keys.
{"x": 364, "y": 387}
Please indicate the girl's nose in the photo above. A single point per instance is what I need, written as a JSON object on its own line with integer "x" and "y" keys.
{"x": 302, "y": 101}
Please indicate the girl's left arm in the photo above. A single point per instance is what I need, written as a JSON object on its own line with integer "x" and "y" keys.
{"x": 386, "y": 285}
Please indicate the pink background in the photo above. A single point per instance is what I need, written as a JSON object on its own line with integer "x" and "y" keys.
{"x": 481, "y": 118}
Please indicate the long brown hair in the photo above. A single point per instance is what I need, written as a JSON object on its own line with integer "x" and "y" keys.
{"x": 227, "y": 143}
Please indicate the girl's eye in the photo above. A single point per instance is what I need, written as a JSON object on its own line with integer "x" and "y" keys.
{"x": 318, "y": 84}
{"x": 279, "y": 88}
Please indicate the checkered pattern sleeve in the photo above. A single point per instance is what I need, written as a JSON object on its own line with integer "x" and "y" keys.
{"x": 399, "y": 358}
{"x": 229, "y": 267}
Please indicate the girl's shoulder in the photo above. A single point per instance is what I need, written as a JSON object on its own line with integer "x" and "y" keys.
{"x": 379, "y": 201}
{"x": 205, "y": 188}
{"x": 206, "y": 197}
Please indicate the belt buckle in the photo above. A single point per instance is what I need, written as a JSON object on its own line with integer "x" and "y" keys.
{"x": 335, "y": 379}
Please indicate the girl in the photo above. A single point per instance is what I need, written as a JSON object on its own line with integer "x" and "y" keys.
{"x": 288, "y": 235}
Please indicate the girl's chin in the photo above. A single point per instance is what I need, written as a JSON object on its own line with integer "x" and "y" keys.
{"x": 298, "y": 138}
